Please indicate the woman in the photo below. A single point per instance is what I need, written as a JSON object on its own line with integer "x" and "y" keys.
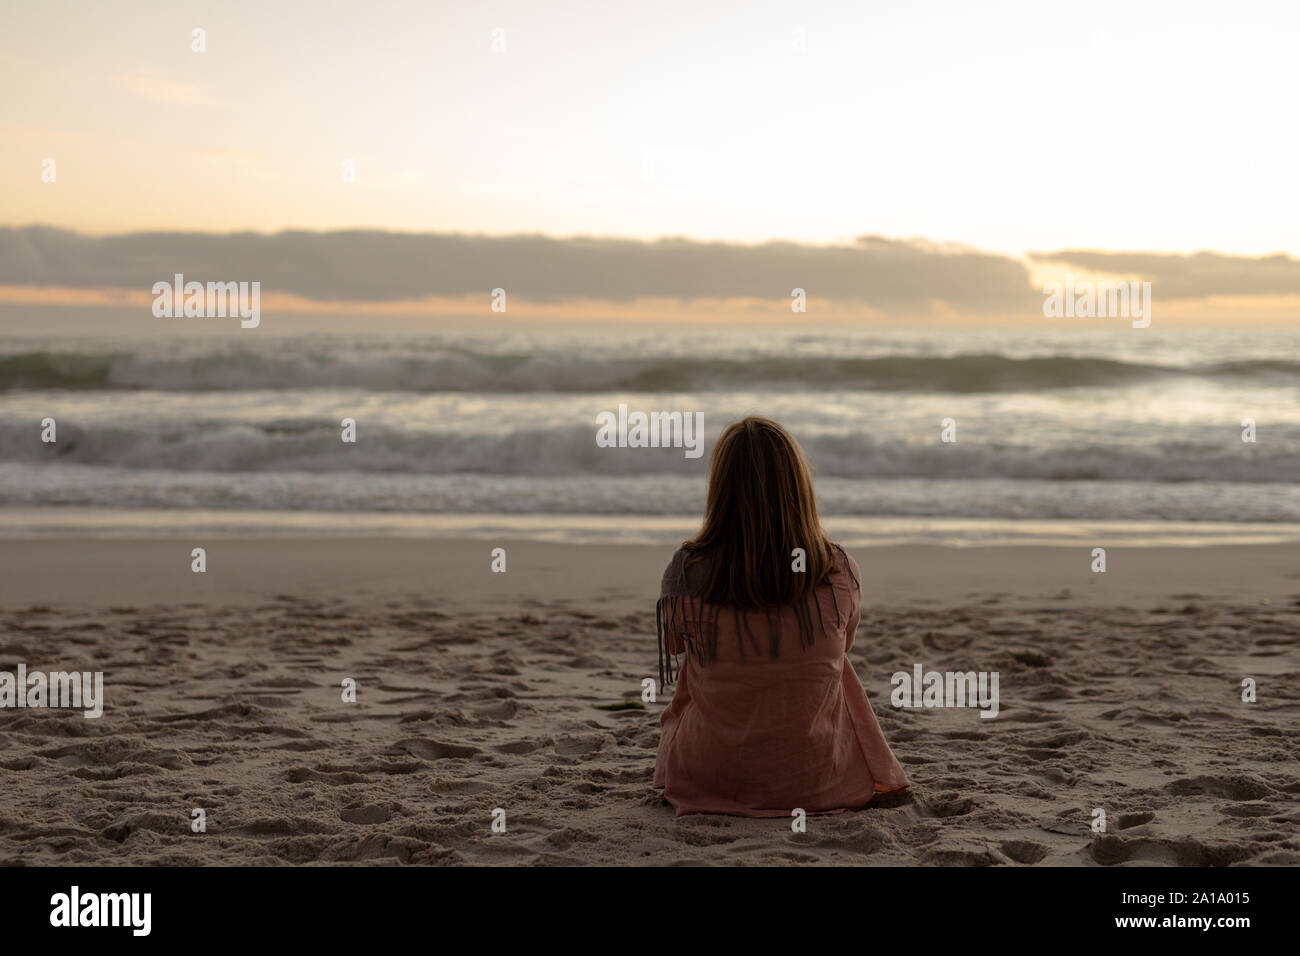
{"x": 755, "y": 618}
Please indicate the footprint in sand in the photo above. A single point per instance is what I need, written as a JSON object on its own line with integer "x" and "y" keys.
{"x": 373, "y": 813}
{"x": 1024, "y": 851}
{"x": 579, "y": 745}
{"x": 946, "y": 805}
{"x": 446, "y": 786}
{"x": 1127, "y": 821}
{"x": 1233, "y": 786}
{"x": 523, "y": 746}
{"x": 1247, "y": 809}
{"x": 431, "y": 749}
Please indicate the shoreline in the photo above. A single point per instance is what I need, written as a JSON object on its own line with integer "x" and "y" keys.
{"x": 249, "y": 569}
{"x": 855, "y": 531}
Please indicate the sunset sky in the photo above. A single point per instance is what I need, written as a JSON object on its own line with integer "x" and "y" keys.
{"x": 1010, "y": 128}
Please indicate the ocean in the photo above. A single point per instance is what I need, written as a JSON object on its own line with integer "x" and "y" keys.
{"x": 1063, "y": 432}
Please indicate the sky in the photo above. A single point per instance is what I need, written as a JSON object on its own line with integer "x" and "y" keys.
{"x": 936, "y": 158}
{"x": 1009, "y": 126}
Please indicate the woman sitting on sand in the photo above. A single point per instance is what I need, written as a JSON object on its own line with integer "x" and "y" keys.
{"x": 768, "y": 714}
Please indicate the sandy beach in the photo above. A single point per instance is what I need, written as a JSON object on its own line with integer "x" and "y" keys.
{"x": 479, "y": 691}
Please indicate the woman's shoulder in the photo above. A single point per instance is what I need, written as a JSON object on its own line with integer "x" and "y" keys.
{"x": 846, "y": 570}
{"x": 683, "y": 571}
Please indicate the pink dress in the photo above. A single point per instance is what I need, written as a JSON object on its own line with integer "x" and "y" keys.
{"x": 768, "y": 714}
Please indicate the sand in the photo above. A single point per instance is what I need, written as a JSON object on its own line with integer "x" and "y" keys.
{"x": 478, "y": 692}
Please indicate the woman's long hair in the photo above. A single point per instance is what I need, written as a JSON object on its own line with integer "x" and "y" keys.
{"x": 761, "y": 507}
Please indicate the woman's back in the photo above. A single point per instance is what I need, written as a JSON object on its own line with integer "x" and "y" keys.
{"x": 768, "y": 715}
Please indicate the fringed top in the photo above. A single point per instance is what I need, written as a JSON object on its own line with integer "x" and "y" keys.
{"x": 685, "y": 623}
{"x": 757, "y": 729}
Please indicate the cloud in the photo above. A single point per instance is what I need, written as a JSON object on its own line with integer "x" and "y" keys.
{"x": 382, "y": 266}
{"x": 889, "y": 275}
{"x": 1194, "y": 276}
